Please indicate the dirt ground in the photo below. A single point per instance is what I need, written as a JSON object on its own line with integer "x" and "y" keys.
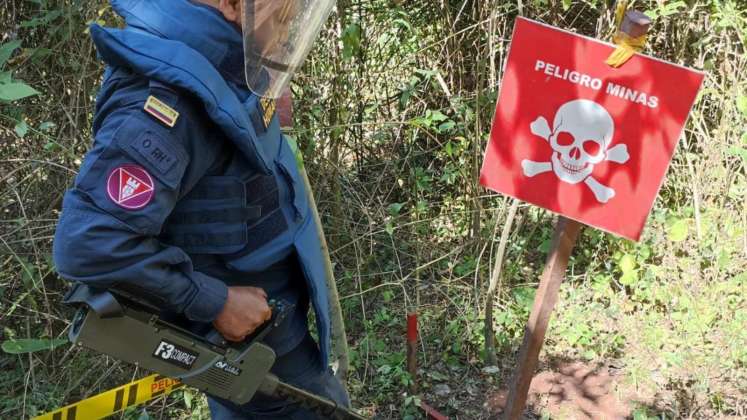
{"x": 574, "y": 390}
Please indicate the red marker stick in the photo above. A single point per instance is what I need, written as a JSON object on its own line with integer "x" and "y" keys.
{"x": 412, "y": 348}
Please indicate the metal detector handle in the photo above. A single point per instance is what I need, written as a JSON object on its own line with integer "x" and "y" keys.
{"x": 215, "y": 338}
{"x": 280, "y": 310}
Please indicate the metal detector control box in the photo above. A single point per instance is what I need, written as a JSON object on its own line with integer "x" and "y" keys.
{"x": 134, "y": 332}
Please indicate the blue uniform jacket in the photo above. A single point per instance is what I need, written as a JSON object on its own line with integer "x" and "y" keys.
{"x": 175, "y": 213}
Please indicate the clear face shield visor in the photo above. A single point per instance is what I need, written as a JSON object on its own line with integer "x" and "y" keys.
{"x": 278, "y": 35}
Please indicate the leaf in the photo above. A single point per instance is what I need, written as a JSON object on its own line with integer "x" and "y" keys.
{"x": 742, "y": 104}
{"x": 395, "y": 208}
{"x": 6, "y": 51}
{"x": 188, "y": 397}
{"x": 678, "y": 230}
{"x": 403, "y": 23}
{"x": 724, "y": 259}
{"x": 629, "y": 278}
{"x": 524, "y": 296}
{"x": 652, "y": 14}
{"x": 406, "y": 95}
{"x": 14, "y": 91}
{"x": 446, "y": 126}
{"x": 41, "y": 21}
{"x": 37, "y": 54}
{"x": 449, "y": 149}
{"x": 387, "y": 295}
{"x": 32, "y": 345}
{"x": 22, "y": 128}
{"x": 29, "y": 274}
{"x": 389, "y": 228}
{"x": 627, "y": 264}
{"x": 351, "y": 41}
{"x": 671, "y": 8}
{"x": 738, "y": 151}
{"x": 384, "y": 369}
{"x": 47, "y": 126}
{"x": 644, "y": 252}
{"x": 436, "y": 116}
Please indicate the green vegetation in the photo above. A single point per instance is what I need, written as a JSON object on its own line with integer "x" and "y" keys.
{"x": 392, "y": 114}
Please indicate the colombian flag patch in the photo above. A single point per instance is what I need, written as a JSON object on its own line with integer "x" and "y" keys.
{"x": 160, "y": 111}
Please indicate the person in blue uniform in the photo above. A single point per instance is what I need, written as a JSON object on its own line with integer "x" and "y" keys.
{"x": 190, "y": 197}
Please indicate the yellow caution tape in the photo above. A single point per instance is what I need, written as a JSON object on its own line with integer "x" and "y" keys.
{"x": 627, "y": 46}
{"x": 115, "y": 400}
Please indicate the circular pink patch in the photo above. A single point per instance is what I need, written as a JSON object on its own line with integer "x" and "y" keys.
{"x": 130, "y": 187}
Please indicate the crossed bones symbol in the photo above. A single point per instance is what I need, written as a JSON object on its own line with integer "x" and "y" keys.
{"x": 580, "y": 139}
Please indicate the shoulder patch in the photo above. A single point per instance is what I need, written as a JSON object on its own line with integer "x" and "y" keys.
{"x": 161, "y": 112}
{"x": 130, "y": 187}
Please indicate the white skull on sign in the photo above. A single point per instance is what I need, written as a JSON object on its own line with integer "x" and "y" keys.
{"x": 580, "y": 139}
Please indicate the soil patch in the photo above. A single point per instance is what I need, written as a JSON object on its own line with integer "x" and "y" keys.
{"x": 572, "y": 390}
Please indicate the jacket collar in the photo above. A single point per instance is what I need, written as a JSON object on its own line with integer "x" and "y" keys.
{"x": 199, "y": 26}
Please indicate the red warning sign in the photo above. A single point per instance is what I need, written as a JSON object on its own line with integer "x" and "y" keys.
{"x": 580, "y": 138}
{"x": 130, "y": 187}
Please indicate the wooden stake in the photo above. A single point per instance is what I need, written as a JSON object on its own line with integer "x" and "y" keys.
{"x": 564, "y": 239}
{"x": 634, "y": 24}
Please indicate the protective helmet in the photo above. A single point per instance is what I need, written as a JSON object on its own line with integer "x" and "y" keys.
{"x": 278, "y": 36}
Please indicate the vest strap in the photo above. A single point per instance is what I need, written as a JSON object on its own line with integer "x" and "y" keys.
{"x": 269, "y": 203}
{"x": 223, "y": 215}
{"x": 263, "y": 232}
{"x": 217, "y": 188}
{"x": 228, "y": 215}
{"x": 197, "y": 240}
{"x": 259, "y": 185}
